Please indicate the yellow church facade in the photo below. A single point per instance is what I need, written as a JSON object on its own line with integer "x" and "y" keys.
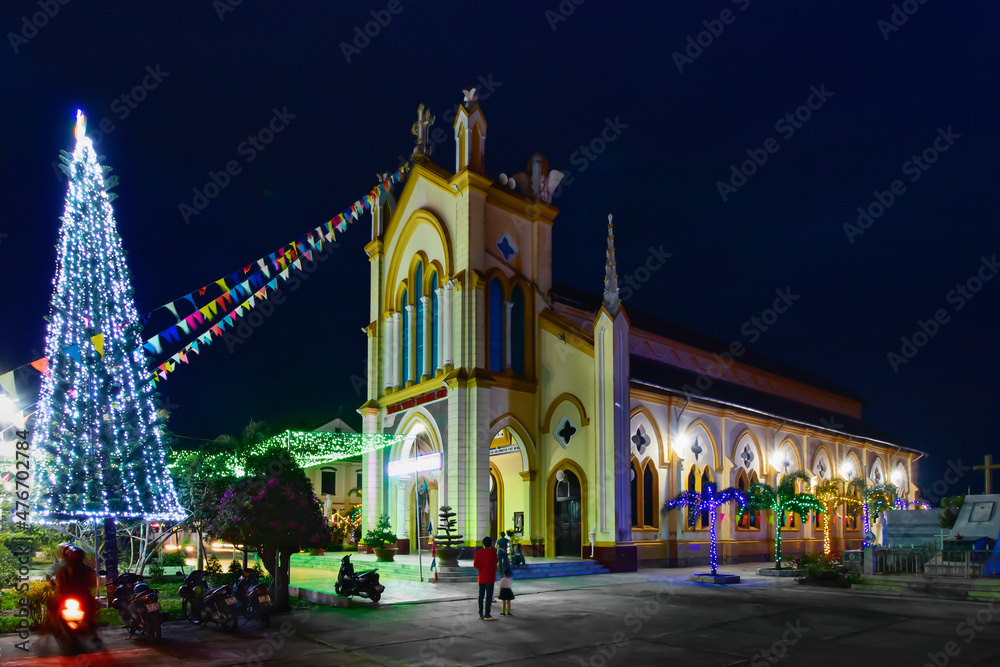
{"x": 524, "y": 404}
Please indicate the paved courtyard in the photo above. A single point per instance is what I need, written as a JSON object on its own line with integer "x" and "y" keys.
{"x": 645, "y": 618}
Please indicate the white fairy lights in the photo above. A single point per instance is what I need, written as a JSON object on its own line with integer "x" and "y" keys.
{"x": 98, "y": 449}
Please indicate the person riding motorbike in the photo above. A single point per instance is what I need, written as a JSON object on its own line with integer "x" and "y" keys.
{"x": 76, "y": 579}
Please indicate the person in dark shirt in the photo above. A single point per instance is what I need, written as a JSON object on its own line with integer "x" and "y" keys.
{"x": 485, "y": 561}
{"x": 76, "y": 579}
{"x": 503, "y": 562}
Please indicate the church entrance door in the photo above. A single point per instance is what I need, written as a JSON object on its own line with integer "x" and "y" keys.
{"x": 567, "y": 519}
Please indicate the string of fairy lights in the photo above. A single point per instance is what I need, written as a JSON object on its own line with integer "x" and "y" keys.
{"x": 709, "y": 500}
{"x": 98, "y": 449}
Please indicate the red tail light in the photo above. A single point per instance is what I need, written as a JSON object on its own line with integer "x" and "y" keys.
{"x": 72, "y": 613}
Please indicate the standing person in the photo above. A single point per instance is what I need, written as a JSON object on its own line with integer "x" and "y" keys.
{"x": 485, "y": 561}
{"x": 506, "y": 594}
{"x": 503, "y": 562}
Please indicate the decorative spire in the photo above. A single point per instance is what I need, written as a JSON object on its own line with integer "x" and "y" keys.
{"x": 611, "y": 301}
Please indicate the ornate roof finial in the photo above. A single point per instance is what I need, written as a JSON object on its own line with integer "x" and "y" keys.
{"x": 471, "y": 99}
{"x": 421, "y": 130}
{"x": 611, "y": 300}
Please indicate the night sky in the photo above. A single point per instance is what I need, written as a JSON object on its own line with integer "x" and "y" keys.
{"x": 550, "y": 82}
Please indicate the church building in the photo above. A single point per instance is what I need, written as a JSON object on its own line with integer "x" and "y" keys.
{"x": 528, "y": 405}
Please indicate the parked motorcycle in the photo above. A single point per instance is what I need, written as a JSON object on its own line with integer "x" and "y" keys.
{"x": 138, "y": 605}
{"x": 203, "y": 604}
{"x": 253, "y": 597}
{"x": 364, "y": 584}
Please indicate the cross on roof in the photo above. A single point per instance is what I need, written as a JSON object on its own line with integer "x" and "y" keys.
{"x": 987, "y": 466}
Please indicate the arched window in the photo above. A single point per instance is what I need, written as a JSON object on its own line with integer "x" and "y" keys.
{"x": 517, "y": 331}
{"x": 419, "y": 328}
{"x": 706, "y": 479}
{"x": 494, "y": 323}
{"x": 692, "y": 485}
{"x": 635, "y": 493}
{"x": 406, "y": 341}
{"x": 649, "y": 514}
{"x": 434, "y": 321}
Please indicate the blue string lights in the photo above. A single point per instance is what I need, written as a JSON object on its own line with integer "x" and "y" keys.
{"x": 707, "y": 501}
{"x": 98, "y": 444}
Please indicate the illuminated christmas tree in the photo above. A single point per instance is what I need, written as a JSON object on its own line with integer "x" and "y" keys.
{"x": 97, "y": 444}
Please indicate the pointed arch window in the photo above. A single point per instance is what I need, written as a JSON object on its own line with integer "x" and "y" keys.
{"x": 419, "y": 328}
{"x": 706, "y": 479}
{"x": 406, "y": 340}
{"x": 494, "y": 323}
{"x": 649, "y": 489}
{"x": 750, "y": 520}
{"x": 435, "y": 307}
{"x": 634, "y": 474}
{"x": 517, "y": 331}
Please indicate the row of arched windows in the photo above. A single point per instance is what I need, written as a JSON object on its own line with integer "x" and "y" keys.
{"x": 645, "y": 492}
{"x": 414, "y": 333}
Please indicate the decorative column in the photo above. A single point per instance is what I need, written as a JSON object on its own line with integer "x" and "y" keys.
{"x": 440, "y": 327}
{"x": 410, "y": 372}
{"x": 507, "y": 307}
{"x": 426, "y": 329}
{"x": 449, "y": 332}
{"x": 387, "y": 352}
{"x": 394, "y": 343}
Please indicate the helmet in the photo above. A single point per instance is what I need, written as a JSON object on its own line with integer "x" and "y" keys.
{"x": 74, "y": 554}
{"x": 61, "y": 549}
{"x": 141, "y": 589}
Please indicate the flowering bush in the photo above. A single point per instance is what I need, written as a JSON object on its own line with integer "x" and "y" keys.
{"x": 273, "y": 511}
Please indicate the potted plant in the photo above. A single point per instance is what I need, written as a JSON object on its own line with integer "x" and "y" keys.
{"x": 447, "y": 545}
{"x": 381, "y": 536}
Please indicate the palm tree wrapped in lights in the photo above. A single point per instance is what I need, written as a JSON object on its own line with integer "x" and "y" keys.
{"x": 781, "y": 500}
{"x": 875, "y": 498}
{"x": 709, "y": 500}
{"x": 830, "y": 498}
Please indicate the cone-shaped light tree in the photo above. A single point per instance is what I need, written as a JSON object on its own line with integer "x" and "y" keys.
{"x": 98, "y": 442}
{"x": 781, "y": 500}
{"x": 830, "y": 495}
{"x": 709, "y": 500}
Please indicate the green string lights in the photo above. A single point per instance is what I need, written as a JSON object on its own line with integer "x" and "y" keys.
{"x": 310, "y": 448}
{"x": 781, "y": 500}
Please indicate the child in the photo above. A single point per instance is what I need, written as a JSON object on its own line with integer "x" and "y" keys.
{"x": 506, "y": 594}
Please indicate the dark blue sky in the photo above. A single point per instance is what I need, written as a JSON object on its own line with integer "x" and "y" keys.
{"x": 554, "y": 92}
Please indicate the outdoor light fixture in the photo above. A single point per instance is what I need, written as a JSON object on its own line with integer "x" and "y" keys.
{"x": 419, "y": 464}
{"x": 847, "y": 471}
{"x": 7, "y": 411}
{"x": 898, "y": 478}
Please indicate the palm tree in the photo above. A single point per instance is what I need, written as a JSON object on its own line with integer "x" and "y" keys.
{"x": 830, "y": 496}
{"x": 707, "y": 501}
{"x": 874, "y": 499}
{"x": 783, "y": 499}
{"x": 237, "y": 448}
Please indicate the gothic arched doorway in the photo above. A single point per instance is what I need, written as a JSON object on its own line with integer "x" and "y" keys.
{"x": 568, "y": 523}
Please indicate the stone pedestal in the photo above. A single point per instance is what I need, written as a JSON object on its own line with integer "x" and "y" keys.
{"x": 715, "y": 578}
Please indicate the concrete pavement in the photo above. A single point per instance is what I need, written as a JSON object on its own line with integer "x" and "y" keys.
{"x": 629, "y": 619}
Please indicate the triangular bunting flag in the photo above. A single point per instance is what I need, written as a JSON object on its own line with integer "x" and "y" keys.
{"x": 7, "y": 384}
{"x": 98, "y": 342}
{"x": 73, "y": 351}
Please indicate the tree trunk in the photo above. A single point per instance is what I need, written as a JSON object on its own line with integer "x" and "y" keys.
{"x": 201, "y": 551}
{"x": 282, "y": 577}
{"x": 110, "y": 551}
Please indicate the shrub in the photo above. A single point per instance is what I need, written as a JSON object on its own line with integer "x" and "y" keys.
{"x": 382, "y": 535}
{"x": 213, "y": 571}
{"x": 8, "y": 568}
{"x": 156, "y": 573}
{"x": 171, "y": 558}
{"x": 39, "y": 593}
